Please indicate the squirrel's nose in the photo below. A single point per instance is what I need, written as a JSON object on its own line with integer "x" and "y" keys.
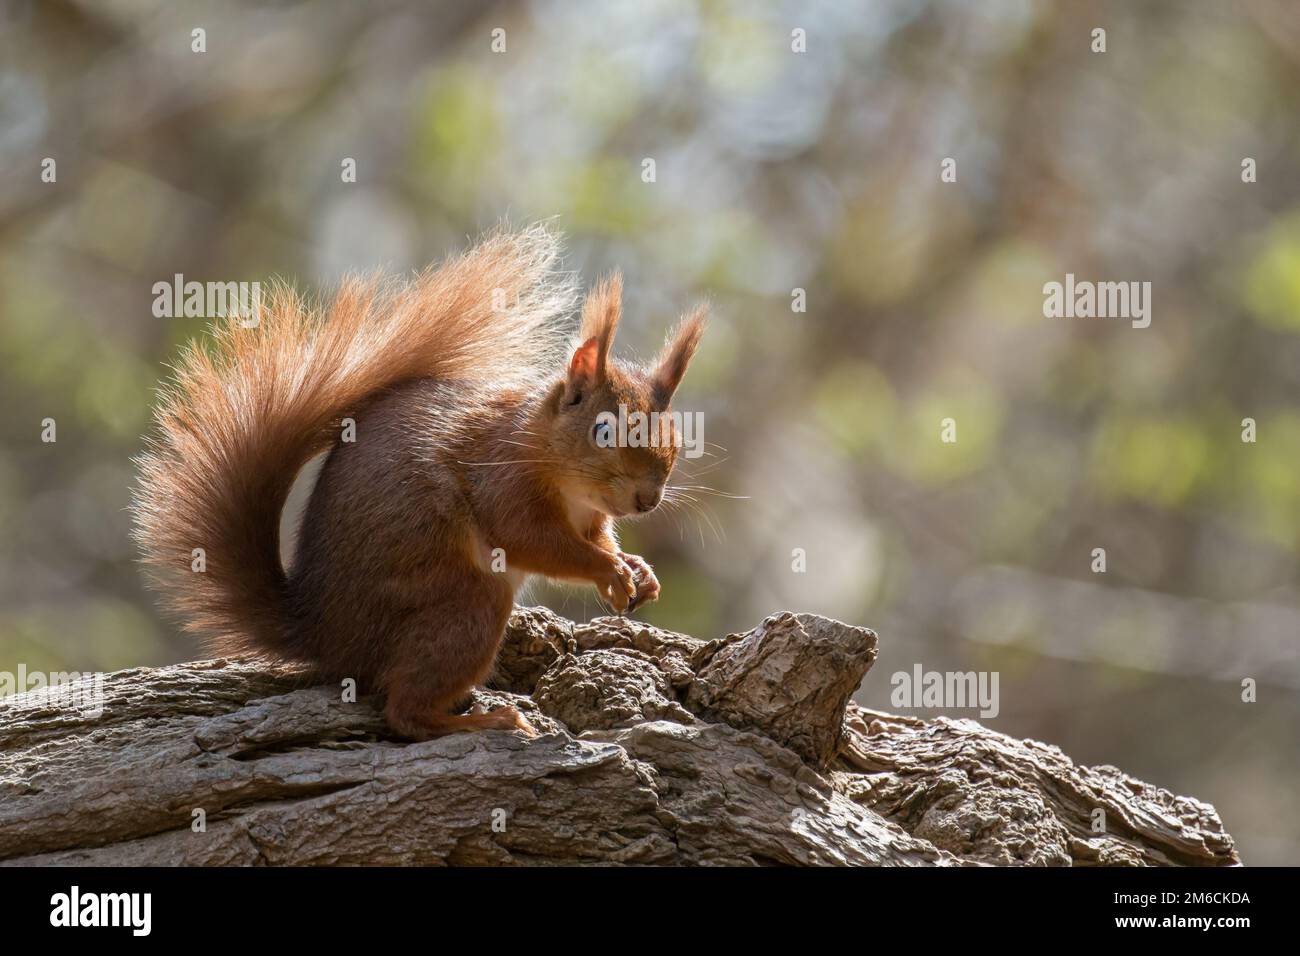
{"x": 647, "y": 502}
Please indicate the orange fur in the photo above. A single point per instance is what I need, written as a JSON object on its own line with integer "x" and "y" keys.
{"x": 470, "y": 436}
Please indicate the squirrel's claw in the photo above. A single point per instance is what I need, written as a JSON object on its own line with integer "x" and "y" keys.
{"x": 647, "y": 585}
{"x": 619, "y": 586}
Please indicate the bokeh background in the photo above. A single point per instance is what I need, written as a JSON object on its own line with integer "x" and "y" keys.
{"x": 776, "y": 171}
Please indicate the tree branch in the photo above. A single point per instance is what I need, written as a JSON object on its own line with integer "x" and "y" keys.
{"x": 655, "y": 748}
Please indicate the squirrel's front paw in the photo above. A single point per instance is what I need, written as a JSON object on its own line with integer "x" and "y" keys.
{"x": 647, "y": 585}
{"x": 618, "y": 584}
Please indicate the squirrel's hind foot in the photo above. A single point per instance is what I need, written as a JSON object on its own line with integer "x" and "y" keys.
{"x": 440, "y": 725}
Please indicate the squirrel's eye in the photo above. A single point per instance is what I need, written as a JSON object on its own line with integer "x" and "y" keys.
{"x": 602, "y": 434}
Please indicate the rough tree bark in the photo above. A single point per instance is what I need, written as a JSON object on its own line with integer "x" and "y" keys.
{"x": 654, "y": 748}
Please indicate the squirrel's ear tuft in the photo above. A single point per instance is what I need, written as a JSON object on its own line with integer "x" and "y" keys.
{"x": 582, "y": 370}
{"x": 671, "y": 365}
{"x": 600, "y": 315}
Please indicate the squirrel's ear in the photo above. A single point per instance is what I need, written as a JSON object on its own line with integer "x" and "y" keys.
{"x": 582, "y": 370}
{"x": 676, "y": 355}
{"x": 600, "y": 315}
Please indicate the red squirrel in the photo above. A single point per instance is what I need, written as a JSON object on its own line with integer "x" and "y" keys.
{"x": 473, "y": 432}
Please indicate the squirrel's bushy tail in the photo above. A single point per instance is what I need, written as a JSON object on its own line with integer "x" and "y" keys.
{"x": 244, "y": 414}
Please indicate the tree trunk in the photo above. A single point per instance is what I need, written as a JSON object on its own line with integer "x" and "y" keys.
{"x": 654, "y": 748}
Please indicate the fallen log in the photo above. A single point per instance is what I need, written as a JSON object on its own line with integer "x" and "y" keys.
{"x": 654, "y": 748}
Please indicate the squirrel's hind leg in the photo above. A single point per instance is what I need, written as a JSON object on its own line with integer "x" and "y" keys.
{"x": 427, "y": 726}
{"x": 446, "y": 650}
